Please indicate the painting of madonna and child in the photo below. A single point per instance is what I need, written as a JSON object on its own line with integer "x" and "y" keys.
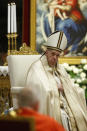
{"x": 69, "y": 16}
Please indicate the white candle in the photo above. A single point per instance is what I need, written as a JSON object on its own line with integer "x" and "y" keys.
{"x": 11, "y": 17}
{"x": 14, "y": 19}
{"x": 8, "y": 19}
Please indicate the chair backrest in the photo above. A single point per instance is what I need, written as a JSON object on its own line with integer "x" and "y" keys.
{"x": 18, "y": 66}
{"x": 9, "y": 123}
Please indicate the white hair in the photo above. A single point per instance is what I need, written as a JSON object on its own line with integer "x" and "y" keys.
{"x": 27, "y": 98}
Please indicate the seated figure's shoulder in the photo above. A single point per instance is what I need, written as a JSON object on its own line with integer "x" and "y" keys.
{"x": 62, "y": 67}
{"x": 63, "y": 70}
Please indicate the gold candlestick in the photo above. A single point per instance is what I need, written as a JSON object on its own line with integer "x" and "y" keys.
{"x": 15, "y": 39}
{"x": 12, "y": 41}
{"x": 9, "y": 36}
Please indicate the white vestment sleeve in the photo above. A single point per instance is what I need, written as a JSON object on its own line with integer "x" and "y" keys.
{"x": 33, "y": 81}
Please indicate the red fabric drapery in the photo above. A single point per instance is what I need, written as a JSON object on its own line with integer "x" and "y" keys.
{"x": 26, "y": 22}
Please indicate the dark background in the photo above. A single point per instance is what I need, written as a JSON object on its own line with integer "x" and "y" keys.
{"x": 3, "y": 23}
{"x": 3, "y": 26}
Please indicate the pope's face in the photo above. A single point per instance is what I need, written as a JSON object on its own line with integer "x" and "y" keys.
{"x": 52, "y": 57}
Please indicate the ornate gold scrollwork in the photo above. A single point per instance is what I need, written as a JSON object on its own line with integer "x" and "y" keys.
{"x": 26, "y": 50}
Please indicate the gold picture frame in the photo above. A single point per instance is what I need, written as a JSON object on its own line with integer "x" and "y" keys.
{"x": 69, "y": 60}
